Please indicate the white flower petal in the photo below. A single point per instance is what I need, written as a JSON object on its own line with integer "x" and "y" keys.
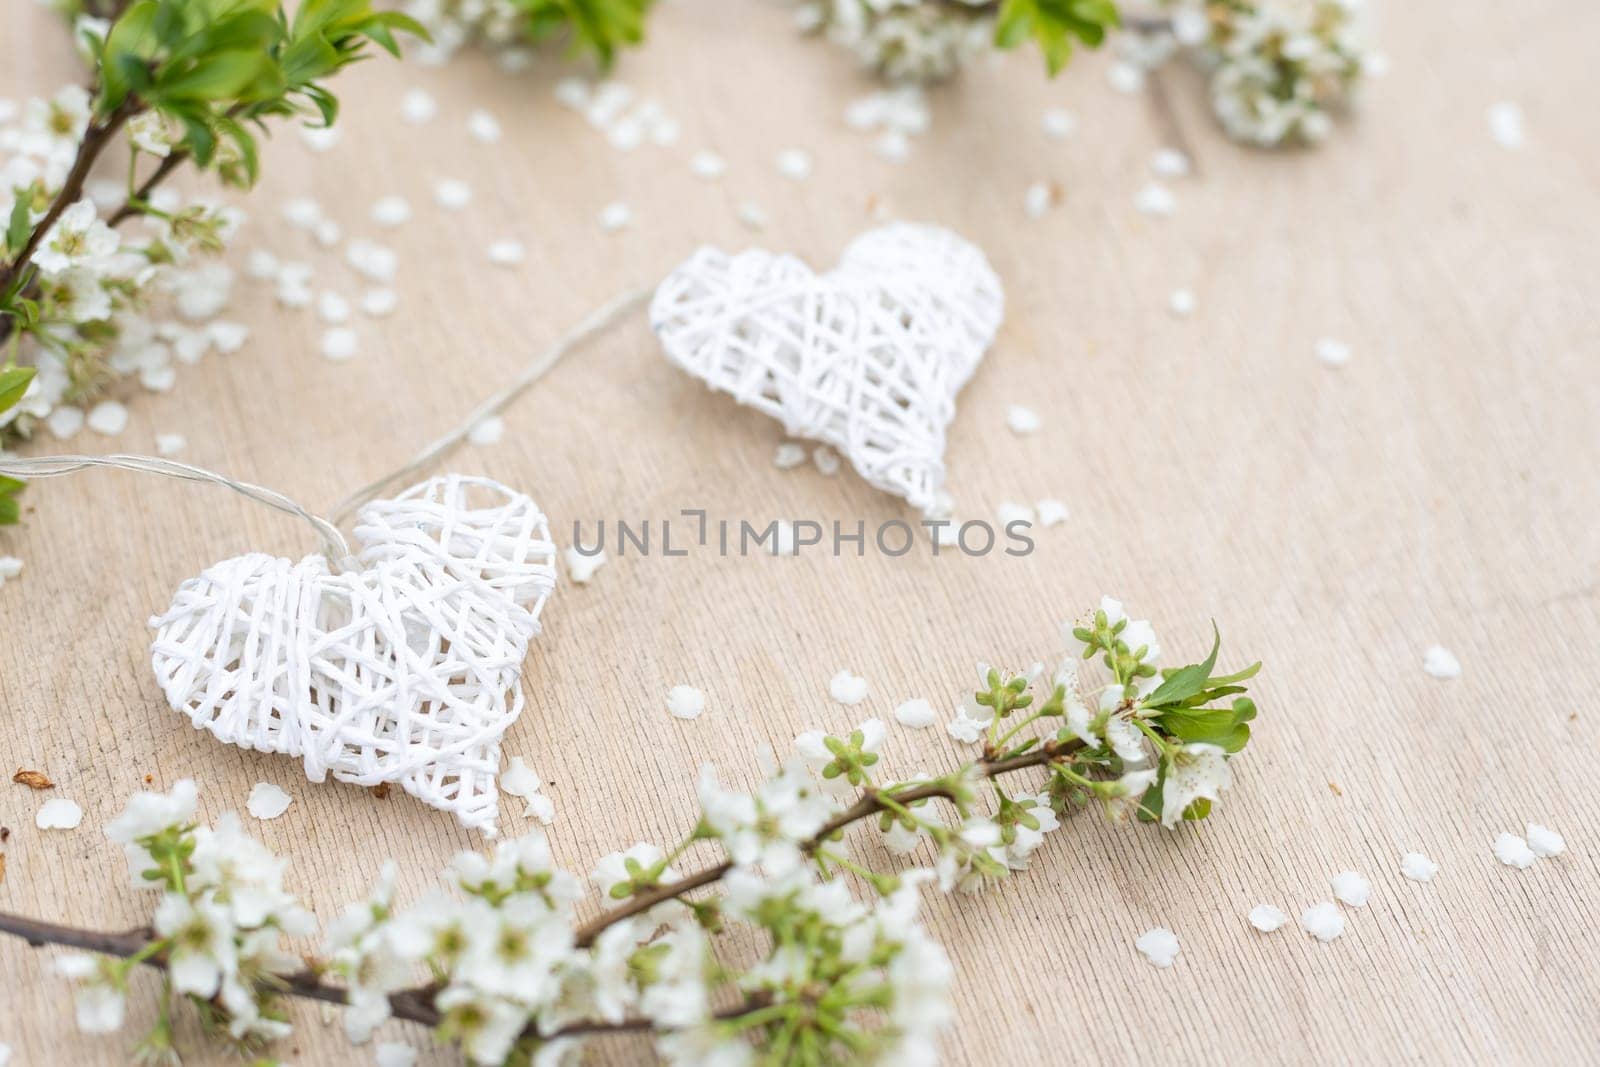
{"x": 267, "y": 801}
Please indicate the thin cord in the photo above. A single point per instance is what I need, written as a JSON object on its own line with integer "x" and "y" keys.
{"x": 333, "y": 541}
{"x": 593, "y": 323}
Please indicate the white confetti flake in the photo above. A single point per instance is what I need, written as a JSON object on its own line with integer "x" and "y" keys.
{"x": 339, "y": 344}
{"x": 1333, "y": 352}
{"x": 581, "y": 567}
{"x": 1506, "y": 125}
{"x": 917, "y": 714}
{"x": 1545, "y": 842}
{"x": 377, "y": 303}
{"x": 1125, "y": 77}
{"x": 1441, "y": 663}
{"x": 615, "y": 216}
{"x": 848, "y": 689}
{"x": 789, "y": 455}
{"x": 108, "y": 418}
{"x": 1267, "y": 918}
{"x": 267, "y": 801}
{"x": 507, "y": 253}
{"x": 795, "y": 164}
{"x": 1036, "y": 200}
{"x": 371, "y": 260}
{"x": 1323, "y": 921}
{"x": 1169, "y": 163}
{"x": 826, "y": 460}
{"x": 519, "y": 780}
{"x": 708, "y": 165}
{"x": 418, "y": 106}
{"x": 1051, "y": 512}
{"x": 333, "y": 308}
{"x": 483, "y": 127}
{"x": 302, "y": 213}
{"x": 1022, "y": 419}
{"x": 685, "y": 702}
{"x": 1058, "y": 124}
{"x": 452, "y": 194}
{"x": 1352, "y": 889}
{"x": 1010, "y": 511}
{"x": 65, "y": 421}
{"x": 58, "y": 814}
{"x": 753, "y": 215}
{"x": 487, "y": 431}
{"x": 1158, "y": 945}
{"x": 1155, "y": 199}
{"x": 391, "y": 211}
{"x": 1513, "y": 851}
{"x": 320, "y": 138}
{"x": 394, "y": 1054}
{"x": 1417, "y": 867}
{"x": 1181, "y": 302}
{"x": 170, "y": 444}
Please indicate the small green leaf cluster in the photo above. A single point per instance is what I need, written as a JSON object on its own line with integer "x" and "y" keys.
{"x": 598, "y": 27}
{"x": 1053, "y": 25}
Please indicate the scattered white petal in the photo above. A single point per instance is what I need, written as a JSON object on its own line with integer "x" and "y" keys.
{"x": 339, "y": 343}
{"x": 753, "y": 215}
{"x": 1010, "y": 511}
{"x": 328, "y": 233}
{"x": 267, "y": 801}
{"x": 572, "y": 91}
{"x": 379, "y": 302}
{"x": 1155, "y": 199}
{"x": 519, "y": 780}
{"x": 58, "y": 814}
{"x": 159, "y": 379}
{"x": 1440, "y": 662}
{"x": 65, "y": 421}
{"x": 789, "y": 455}
{"x": 394, "y": 1054}
{"x": 581, "y": 568}
{"x": 826, "y": 460}
{"x": 227, "y": 336}
{"x": 1505, "y": 124}
{"x": 391, "y": 211}
{"x": 1513, "y": 851}
{"x": 10, "y": 567}
{"x": 1266, "y": 918}
{"x": 261, "y": 265}
{"x": 893, "y": 145}
{"x": 487, "y": 431}
{"x": 1169, "y": 163}
{"x": 1023, "y": 419}
{"x": 847, "y": 688}
{"x": 170, "y": 444}
{"x": 708, "y": 165}
{"x": 794, "y": 163}
{"x": 1159, "y": 945}
{"x": 371, "y": 260}
{"x": 108, "y": 417}
{"x": 1545, "y": 842}
{"x": 1051, "y": 512}
{"x": 1323, "y": 921}
{"x": 685, "y": 702}
{"x": 967, "y": 729}
{"x": 302, "y": 212}
{"x": 483, "y": 127}
{"x": 1125, "y": 77}
{"x": 917, "y": 714}
{"x": 615, "y": 216}
{"x": 333, "y": 308}
{"x": 1036, "y": 201}
{"x": 452, "y": 194}
{"x": 1333, "y": 352}
{"x": 1058, "y": 124}
{"x": 1181, "y": 302}
{"x": 319, "y": 138}
{"x": 507, "y": 253}
{"x": 1417, "y": 867}
{"x": 418, "y": 106}
{"x": 1352, "y": 889}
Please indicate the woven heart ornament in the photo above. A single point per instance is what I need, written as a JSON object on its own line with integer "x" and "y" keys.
{"x": 867, "y": 358}
{"x": 405, "y": 667}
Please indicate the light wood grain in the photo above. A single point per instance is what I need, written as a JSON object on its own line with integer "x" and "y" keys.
{"x": 1440, "y": 488}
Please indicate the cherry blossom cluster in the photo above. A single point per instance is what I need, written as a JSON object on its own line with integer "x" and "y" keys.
{"x": 507, "y": 27}
{"x": 904, "y": 40}
{"x": 498, "y": 959}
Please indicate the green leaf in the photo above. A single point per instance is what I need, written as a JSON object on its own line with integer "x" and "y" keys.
{"x": 10, "y": 510}
{"x": 20, "y": 228}
{"x": 219, "y": 76}
{"x": 14, "y": 382}
{"x": 1187, "y": 681}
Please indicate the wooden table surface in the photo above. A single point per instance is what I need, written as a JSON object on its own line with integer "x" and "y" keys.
{"x": 1440, "y": 488}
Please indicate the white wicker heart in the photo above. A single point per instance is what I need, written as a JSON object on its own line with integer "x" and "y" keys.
{"x": 868, "y": 357}
{"x": 405, "y": 668}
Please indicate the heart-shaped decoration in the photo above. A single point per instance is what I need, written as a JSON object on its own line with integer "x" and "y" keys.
{"x": 404, "y": 668}
{"x": 867, "y": 358}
